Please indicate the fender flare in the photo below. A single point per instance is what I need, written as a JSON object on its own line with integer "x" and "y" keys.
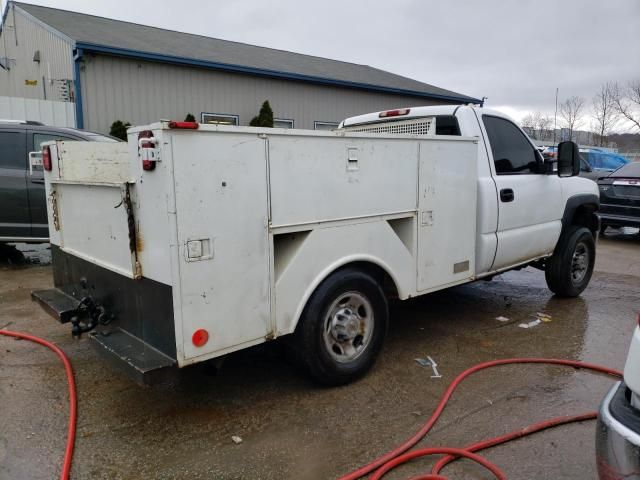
{"x": 575, "y": 202}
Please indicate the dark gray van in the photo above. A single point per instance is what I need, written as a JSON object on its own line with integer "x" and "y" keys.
{"x": 23, "y": 206}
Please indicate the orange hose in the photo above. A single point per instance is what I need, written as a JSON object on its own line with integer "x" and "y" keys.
{"x": 71, "y": 430}
{"x": 396, "y": 457}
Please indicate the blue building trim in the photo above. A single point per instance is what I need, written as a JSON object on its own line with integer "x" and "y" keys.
{"x": 157, "y": 57}
{"x": 77, "y": 58}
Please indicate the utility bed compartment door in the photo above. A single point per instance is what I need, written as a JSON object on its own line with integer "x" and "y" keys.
{"x": 88, "y": 191}
{"x": 446, "y": 213}
{"x": 94, "y": 225}
{"x": 223, "y": 243}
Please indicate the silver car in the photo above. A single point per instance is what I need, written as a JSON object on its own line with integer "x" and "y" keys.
{"x": 618, "y": 429}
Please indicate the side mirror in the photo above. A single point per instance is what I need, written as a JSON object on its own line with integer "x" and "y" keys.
{"x": 568, "y": 159}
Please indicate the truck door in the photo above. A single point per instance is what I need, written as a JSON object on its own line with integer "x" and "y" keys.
{"x": 14, "y": 201}
{"x": 529, "y": 203}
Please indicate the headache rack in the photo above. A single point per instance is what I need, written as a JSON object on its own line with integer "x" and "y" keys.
{"x": 414, "y": 126}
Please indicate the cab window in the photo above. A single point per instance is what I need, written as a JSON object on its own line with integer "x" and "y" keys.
{"x": 39, "y": 138}
{"x": 13, "y": 150}
{"x": 512, "y": 152}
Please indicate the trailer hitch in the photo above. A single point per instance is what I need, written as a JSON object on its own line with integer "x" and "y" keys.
{"x": 87, "y": 316}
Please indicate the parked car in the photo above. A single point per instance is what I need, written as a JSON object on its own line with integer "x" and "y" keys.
{"x": 601, "y": 159}
{"x": 620, "y": 197}
{"x": 23, "y": 207}
{"x": 594, "y": 162}
{"x": 618, "y": 430}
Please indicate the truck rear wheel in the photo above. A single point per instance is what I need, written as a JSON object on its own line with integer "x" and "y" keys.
{"x": 342, "y": 328}
{"x": 569, "y": 269}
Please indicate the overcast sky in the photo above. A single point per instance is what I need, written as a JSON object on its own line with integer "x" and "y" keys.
{"x": 515, "y": 52}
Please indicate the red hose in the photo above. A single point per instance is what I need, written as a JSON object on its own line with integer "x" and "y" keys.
{"x": 71, "y": 431}
{"x": 395, "y": 457}
{"x": 523, "y": 432}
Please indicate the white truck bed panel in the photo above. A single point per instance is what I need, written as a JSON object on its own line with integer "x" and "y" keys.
{"x": 97, "y": 162}
{"x": 319, "y": 178}
{"x": 93, "y": 225}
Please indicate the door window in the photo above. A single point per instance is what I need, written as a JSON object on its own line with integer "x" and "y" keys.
{"x": 512, "y": 152}
{"x": 13, "y": 150}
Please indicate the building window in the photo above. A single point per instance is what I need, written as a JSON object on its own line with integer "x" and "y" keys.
{"x": 282, "y": 123}
{"x": 325, "y": 125}
{"x": 219, "y": 119}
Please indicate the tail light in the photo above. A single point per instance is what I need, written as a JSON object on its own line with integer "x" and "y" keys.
{"x": 46, "y": 159}
{"x": 184, "y": 125}
{"x": 147, "y": 150}
{"x": 394, "y": 113}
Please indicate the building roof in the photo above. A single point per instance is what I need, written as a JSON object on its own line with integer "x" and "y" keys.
{"x": 116, "y": 37}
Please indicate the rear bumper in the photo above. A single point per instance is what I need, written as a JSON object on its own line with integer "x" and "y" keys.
{"x": 618, "y": 437}
{"x": 140, "y": 338}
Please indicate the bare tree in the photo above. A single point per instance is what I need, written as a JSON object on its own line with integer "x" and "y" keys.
{"x": 605, "y": 114}
{"x": 544, "y": 127}
{"x": 627, "y": 101}
{"x": 536, "y": 125}
{"x": 528, "y": 124}
{"x": 571, "y": 113}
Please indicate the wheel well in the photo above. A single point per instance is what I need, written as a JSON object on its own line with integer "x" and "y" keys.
{"x": 585, "y": 215}
{"x": 378, "y": 273}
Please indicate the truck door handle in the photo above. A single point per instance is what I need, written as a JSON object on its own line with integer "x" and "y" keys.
{"x": 506, "y": 195}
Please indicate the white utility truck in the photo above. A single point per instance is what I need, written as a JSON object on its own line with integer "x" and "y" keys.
{"x": 192, "y": 241}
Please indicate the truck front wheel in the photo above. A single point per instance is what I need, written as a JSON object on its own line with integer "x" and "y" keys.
{"x": 569, "y": 269}
{"x": 342, "y": 328}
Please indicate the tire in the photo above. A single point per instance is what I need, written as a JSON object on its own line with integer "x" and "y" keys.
{"x": 342, "y": 328}
{"x": 569, "y": 269}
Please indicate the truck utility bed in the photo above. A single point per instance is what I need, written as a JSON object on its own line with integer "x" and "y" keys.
{"x": 230, "y": 229}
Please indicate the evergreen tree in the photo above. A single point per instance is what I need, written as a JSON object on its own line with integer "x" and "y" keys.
{"x": 264, "y": 118}
{"x": 119, "y": 129}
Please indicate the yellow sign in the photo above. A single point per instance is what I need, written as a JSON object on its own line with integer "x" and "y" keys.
{"x": 31, "y": 83}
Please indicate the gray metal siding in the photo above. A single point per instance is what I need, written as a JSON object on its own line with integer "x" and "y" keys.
{"x": 109, "y": 33}
{"x": 115, "y": 88}
{"x": 19, "y": 41}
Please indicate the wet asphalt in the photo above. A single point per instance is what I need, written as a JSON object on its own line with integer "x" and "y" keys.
{"x": 292, "y": 429}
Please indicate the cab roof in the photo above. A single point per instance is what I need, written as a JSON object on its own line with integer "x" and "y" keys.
{"x": 413, "y": 112}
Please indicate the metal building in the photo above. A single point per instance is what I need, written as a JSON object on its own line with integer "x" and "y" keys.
{"x": 115, "y": 70}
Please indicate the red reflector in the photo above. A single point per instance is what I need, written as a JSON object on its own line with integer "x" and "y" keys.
{"x": 200, "y": 337}
{"x": 46, "y": 159}
{"x": 148, "y": 165}
{"x": 395, "y": 113}
{"x": 184, "y": 125}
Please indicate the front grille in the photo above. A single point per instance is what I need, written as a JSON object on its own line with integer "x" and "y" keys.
{"x": 631, "y": 191}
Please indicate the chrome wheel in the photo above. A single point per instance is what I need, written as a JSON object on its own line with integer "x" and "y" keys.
{"x": 579, "y": 263}
{"x": 348, "y": 327}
